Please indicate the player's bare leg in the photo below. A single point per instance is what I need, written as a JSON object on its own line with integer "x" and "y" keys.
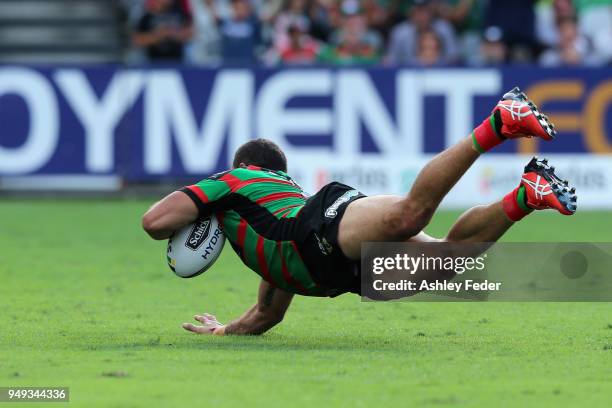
{"x": 483, "y": 223}
{"x": 540, "y": 188}
{"x": 389, "y": 218}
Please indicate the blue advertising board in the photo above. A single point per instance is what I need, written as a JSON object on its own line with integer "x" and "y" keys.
{"x": 156, "y": 122}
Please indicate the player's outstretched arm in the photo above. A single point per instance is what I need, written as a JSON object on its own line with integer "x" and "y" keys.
{"x": 168, "y": 215}
{"x": 272, "y": 303}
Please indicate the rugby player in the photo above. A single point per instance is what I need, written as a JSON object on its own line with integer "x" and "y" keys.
{"x": 311, "y": 245}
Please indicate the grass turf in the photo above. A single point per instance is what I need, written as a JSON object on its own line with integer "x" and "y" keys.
{"x": 87, "y": 302}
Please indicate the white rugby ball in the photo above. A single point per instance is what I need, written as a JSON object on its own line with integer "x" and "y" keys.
{"x": 194, "y": 248}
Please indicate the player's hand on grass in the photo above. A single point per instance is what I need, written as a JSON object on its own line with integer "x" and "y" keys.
{"x": 210, "y": 325}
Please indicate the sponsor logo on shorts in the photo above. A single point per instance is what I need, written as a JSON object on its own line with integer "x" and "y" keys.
{"x": 332, "y": 210}
{"x": 198, "y": 234}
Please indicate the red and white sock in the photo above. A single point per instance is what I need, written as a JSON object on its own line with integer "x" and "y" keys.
{"x": 488, "y": 135}
{"x": 515, "y": 204}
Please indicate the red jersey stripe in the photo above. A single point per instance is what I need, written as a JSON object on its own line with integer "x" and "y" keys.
{"x": 261, "y": 259}
{"x": 277, "y": 196}
{"x": 286, "y": 275}
{"x": 285, "y": 208}
{"x": 198, "y": 192}
{"x": 235, "y": 184}
{"x": 241, "y": 236}
{"x": 231, "y": 181}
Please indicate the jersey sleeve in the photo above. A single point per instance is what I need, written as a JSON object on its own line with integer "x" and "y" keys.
{"x": 209, "y": 195}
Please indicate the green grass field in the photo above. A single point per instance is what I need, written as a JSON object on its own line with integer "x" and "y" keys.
{"x": 88, "y": 302}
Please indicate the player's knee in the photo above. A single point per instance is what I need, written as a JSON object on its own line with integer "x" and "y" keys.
{"x": 410, "y": 218}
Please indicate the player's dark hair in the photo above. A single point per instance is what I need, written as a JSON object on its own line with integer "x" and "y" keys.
{"x": 263, "y": 153}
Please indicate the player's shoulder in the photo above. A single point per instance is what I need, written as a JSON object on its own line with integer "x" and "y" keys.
{"x": 257, "y": 172}
{"x": 246, "y": 173}
{"x": 217, "y": 176}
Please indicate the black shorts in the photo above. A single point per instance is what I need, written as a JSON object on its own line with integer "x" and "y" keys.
{"x": 318, "y": 223}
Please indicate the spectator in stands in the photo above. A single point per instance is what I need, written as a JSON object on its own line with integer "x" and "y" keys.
{"x": 461, "y": 13}
{"x": 300, "y": 49}
{"x": 573, "y": 49}
{"x": 466, "y": 18}
{"x": 516, "y": 19}
{"x": 164, "y": 29}
{"x": 403, "y": 45}
{"x": 240, "y": 33}
{"x": 493, "y": 50}
{"x": 595, "y": 22}
{"x": 574, "y": 32}
{"x": 205, "y": 47}
{"x": 325, "y": 18}
{"x": 429, "y": 49}
{"x": 548, "y": 13}
{"x": 294, "y": 14}
{"x": 353, "y": 42}
{"x": 378, "y": 14}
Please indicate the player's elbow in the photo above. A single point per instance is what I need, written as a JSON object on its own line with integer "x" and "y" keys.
{"x": 153, "y": 226}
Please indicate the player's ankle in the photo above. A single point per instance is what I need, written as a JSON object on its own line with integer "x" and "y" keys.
{"x": 515, "y": 204}
{"x": 488, "y": 134}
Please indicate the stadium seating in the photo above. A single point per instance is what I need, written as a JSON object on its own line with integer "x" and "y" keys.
{"x": 60, "y": 31}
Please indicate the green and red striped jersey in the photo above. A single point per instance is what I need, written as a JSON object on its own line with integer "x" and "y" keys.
{"x": 258, "y": 209}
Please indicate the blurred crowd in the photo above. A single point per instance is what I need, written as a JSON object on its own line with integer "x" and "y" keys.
{"x": 419, "y": 33}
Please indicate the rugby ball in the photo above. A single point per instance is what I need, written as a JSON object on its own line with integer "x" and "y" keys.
{"x": 195, "y": 248}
